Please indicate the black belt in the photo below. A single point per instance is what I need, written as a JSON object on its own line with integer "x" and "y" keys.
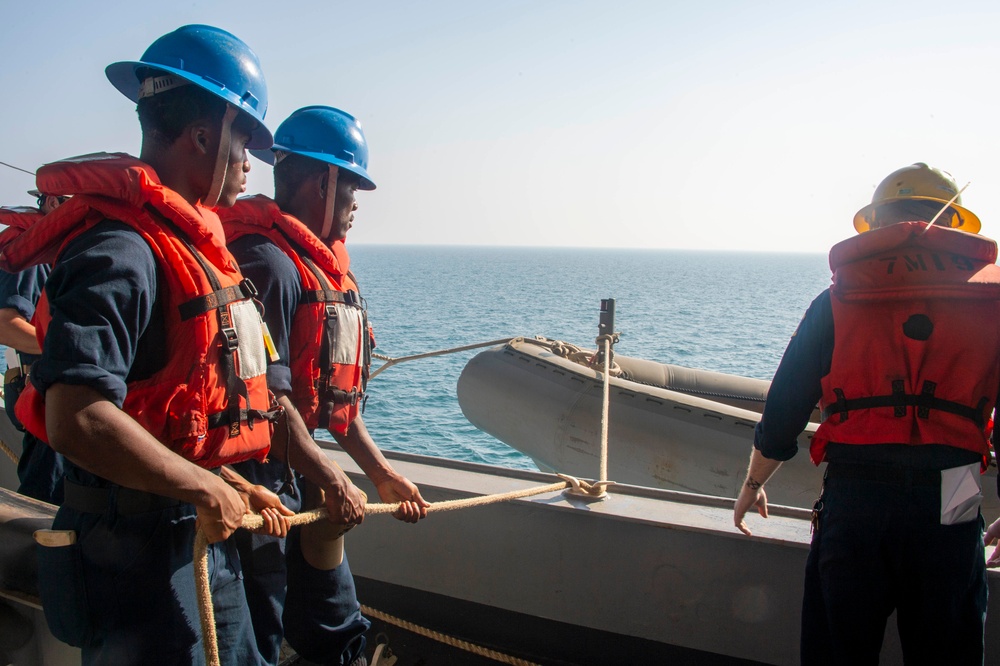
{"x": 94, "y": 499}
{"x": 898, "y": 476}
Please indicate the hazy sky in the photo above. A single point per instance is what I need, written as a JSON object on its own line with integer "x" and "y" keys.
{"x": 730, "y": 125}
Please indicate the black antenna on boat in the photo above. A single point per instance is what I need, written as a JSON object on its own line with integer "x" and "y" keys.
{"x": 606, "y": 326}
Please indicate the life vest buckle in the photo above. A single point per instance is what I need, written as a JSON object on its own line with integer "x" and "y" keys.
{"x": 231, "y": 340}
{"x": 248, "y": 288}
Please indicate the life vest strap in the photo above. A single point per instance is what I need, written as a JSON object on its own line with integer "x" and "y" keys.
{"x": 899, "y": 400}
{"x": 332, "y": 296}
{"x": 338, "y": 396}
{"x": 217, "y": 299}
{"x": 250, "y": 416}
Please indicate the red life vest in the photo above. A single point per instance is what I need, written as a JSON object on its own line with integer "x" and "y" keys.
{"x": 330, "y": 341}
{"x": 916, "y": 356}
{"x": 209, "y": 403}
{"x": 17, "y": 219}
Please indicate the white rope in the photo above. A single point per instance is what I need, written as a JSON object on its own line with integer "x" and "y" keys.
{"x": 10, "y": 452}
{"x": 389, "y": 361}
{"x": 255, "y": 521}
{"x": 210, "y": 641}
{"x": 444, "y": 638}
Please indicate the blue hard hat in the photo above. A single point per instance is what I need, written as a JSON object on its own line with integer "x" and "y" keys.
{"x": 210, "y": 58}
{"x": 325, "y": 134}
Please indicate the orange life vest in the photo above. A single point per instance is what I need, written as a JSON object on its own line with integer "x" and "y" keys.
{"x": 17, "y": 219}
{"x": 209, "y": 403}
{"x": 916, "y": 356}
{"x": 330, "y": 341}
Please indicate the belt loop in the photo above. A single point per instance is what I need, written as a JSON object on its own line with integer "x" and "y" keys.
{"x": 899, "y": 398}
{"x": 112, "y": 508}
{"x": 926, "y": 392}
{"x": 841, "y": 404}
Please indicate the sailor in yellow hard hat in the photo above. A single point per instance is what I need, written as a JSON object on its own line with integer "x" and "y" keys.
{"x": 901, "y": 353}
{"x": 912, "y": 192}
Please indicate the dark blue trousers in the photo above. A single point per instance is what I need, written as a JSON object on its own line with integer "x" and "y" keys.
{"x": 316, "y": 611}
{"x": 125, "y": 593}
{"x": 878, "y": 547}
{"x": 322, "y": 617}
{"x": 40, "y": 470}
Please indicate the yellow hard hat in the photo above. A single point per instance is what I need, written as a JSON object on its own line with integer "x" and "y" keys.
{"x": 919, "y": 181}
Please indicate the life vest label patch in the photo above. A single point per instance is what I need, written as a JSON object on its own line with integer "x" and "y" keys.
{"x": 251, "y": 359}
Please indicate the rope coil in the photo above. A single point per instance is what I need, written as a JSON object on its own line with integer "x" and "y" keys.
{"x": 571, "y": 352}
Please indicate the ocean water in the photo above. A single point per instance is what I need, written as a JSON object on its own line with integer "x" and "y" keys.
{"x": 723, "y": 311}
{"x": 727, "y": 312}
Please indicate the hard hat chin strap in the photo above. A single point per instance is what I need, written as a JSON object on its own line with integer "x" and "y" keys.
{"x": 944, "y": 208}
{"x": 221, "y": 158}
{"x": 331, "y": 200}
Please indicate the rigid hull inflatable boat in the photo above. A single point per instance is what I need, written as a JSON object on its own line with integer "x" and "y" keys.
{"x": 669, "y": 427}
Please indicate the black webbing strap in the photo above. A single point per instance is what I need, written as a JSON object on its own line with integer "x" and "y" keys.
{"x": 216, "y": 299}
{"x": 899, "y": 400}
{"x": 327, "y": 294}
{"x": 220, "y": 419}
{"x": 330, "y": 296}
{"x": 341, "y": 397}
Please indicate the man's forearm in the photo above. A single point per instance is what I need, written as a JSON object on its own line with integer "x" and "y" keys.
{"x": 361, "y": 447}
{"x": 760, "y": 470}
{"x": 303, "y": 453}
{"x": 17, "y": 333}
{"x": 95, "y": 434}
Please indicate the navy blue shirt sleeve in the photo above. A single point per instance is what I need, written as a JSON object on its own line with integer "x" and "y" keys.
{"x": 20, "y": 291}
{"x": 796, "y": 388}
{"x": 101, "y": 295}
{"x": 279, "y": 291}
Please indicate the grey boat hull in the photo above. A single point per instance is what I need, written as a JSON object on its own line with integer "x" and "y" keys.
{"x": 648, "y": 573}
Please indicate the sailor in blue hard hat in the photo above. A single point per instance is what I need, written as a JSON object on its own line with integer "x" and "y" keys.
{"x": 292, "y": 247}
{"x": 329, "y": 138}
{"x": 151, "y": 378}
{"x": 216, "y": 63}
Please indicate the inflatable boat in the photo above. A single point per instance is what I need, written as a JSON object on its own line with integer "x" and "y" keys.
{"x": 669, "y": 426}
